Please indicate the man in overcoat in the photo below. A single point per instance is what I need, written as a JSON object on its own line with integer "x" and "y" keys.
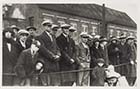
{"x": 66, "y": 63}
{"x": 10, "y": 55}
{"x": 50, "y": 53}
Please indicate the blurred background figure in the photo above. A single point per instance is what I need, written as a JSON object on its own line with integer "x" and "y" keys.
{"x": 15, "y": 30}
{"x": 10, "y": 55}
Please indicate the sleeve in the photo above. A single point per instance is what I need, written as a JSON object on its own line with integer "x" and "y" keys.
{"x": 44, "y": 51}
{"x": 63, "y": 53}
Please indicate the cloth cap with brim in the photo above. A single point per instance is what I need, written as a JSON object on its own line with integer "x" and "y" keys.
{"x": 15, "y": 27}
{"x": 100, "y": 60}
{"x": 31, "y": 27}
{"x": 55, "y": 27}
{"x": 97, "y": 36}
{"x": 130, "y": 38}
{"x": 67, "y": 26}
{"x": 72, "y": 29}
{"x": 47, "y": 22}
{"x": 96, "y": 40}
{"x": 103, "y": 39}
{"x": 122, "y": 37}
{"x": 84, "y": 35}
{"x": 114, "y": 38}
{"x": 23, "y": 31}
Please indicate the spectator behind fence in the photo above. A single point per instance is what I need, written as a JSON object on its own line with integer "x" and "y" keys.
{"x": 98, "y": 73}
{"x": 51, "y": 55}
{"x": 67, "y": 60}
{"x": 28, "y": 62}
{"x": 10, "y": 56}
{"x": 83, "y": 56}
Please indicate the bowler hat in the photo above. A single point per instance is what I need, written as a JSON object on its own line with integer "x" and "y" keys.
{"x": 23, "y": 31}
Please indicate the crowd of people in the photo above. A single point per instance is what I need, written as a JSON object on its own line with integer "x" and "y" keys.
{"x": 47, "y": 60}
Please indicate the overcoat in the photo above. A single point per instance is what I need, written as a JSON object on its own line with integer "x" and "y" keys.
{"x": 48, "y": 50}
{"x": 9, "y": 61}
{"x": 67, "y": 48}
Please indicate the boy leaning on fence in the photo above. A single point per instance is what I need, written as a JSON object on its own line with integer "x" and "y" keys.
{"x": 98, "y": 73}
{"x": 28, "y": 64}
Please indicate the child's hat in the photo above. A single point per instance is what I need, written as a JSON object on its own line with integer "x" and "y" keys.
{"x": 100, "y": 60}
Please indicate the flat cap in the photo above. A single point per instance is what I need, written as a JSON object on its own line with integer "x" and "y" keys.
{"x": 84, "y": 35}
{"x": 23, "y": 31}
{"x": 47, "y": 22}
{"x": 72, "y": 29}
{"x": 65, "y": 25}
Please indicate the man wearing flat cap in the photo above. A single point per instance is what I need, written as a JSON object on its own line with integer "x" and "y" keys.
{"x": 67, "y": 48}
{"x": 83, "y": 55}
{"x": 31, "y": 37}
{"x": 55, "y": 29}
{"x": 50, "y": 54}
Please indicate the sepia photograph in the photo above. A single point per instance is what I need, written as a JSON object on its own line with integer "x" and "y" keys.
{"x": 88, "y": 44}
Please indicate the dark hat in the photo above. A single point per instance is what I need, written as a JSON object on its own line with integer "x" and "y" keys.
{"x": 84, "y": 35}
{"x": 31, "y": 27}
{"x": 8, "y": 29}
{"x": 100, "y": 60}
{"x": 47, "y": 22}
{"x": 113, "y": 38}
{"x": 130, "y": 38}
{"x": 102, "y": 39}
{"x": 65, "y": 26}
{"x": 72, "y": 29}
{"x": 55, "y": 26}
{"x": 96, "y": 40}
{"x": 14, "y": 27}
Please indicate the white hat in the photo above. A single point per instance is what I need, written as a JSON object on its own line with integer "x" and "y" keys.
{"x": 47, "y": 21}
{"x": 72, "y": 29}
{"x": 23, "y": 31}
{"x": 55, "y": 26}
{"x": 65, "y": 25}
{"x": 97, "y": 36}
{"x": 84, "y": 35}
{"x": 130, "y": 37}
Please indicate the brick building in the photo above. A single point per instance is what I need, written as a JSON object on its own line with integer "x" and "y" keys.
{"x": 85, "y": 17}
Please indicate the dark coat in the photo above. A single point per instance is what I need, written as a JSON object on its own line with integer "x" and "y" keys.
{"x": 98, "y": 75}
{"x": 48, "y": 50}
{"x": 9, "y": 61}
{"x": 29, "y": 41}
{"x": 125, "y": 51}
{"x": 104, "y": 54}
{"x": 25, "y": 66}
{"x": 95, "y": 54}
{"x": 19, "y": 47}
{"x": 132, "y": 57}
{"x": 113, "y": 54}
{"x": 67, "y": 52}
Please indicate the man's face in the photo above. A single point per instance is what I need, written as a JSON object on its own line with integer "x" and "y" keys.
{"x": 96, "y": 43}
{"x": 123, "y": 40}
{"x": 32, "y": 31}
{"x": 8, "y": 35}
{"x": 65, "y": 31}
{"x": 23, "y": 37}
{"x": 71, "y": 33}
{"x": 47, "y": 28}
{"x": 84, "y": 40}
